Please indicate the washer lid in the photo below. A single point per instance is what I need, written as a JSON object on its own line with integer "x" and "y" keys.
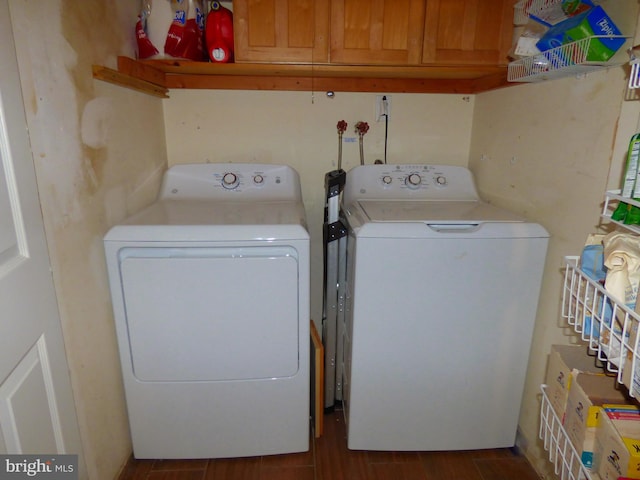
{"x": 448, "y": 212}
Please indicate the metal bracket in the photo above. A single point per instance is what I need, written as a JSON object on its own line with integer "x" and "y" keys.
{"x": 335, "y": 231}
{"x": 334, "y": 182}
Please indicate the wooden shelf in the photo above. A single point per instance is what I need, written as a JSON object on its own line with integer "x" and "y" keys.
{"x": 126, "y": 80}
{"x": 162, "y": 75}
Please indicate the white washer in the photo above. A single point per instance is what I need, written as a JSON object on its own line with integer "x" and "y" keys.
{"x": 442, "y": 293}
{"x": 210, "y": 290}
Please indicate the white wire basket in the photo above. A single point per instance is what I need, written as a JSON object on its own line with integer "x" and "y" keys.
{"x": 540, "y": 9}
{"x": 611, "y": 201}
{"x": 569, "y": 59}
{"x": 556, "y": 442}
{"x": 609, "y": 327}
{"x": 524, "y": 8}
{"x": 634, "y": 76}
{"x": 634, "y": 63}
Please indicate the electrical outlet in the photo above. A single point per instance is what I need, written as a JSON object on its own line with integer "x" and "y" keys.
{"x": 383, "y": 107}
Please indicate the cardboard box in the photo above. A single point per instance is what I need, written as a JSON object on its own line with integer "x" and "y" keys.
{"x": 586, "y": 396}
{"x": 617, "y": 446}
{"x": 563, "y": 360}
{"x": 593, "y": 23}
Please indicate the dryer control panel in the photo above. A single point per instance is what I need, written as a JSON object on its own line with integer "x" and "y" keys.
{"x": 415, "y": 182}
{"x": 231, "y": 182}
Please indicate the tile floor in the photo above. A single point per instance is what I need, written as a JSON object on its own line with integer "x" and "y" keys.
{"x": 329, "y": 459}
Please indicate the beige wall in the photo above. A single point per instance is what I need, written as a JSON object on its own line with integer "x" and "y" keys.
{"x": 99, "y": 153}
{"x": 299, "y": 129}
{"x": 544, "y": 150}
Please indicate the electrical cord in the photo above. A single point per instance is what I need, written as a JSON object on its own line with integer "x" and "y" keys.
{"x": 385, "y": 107}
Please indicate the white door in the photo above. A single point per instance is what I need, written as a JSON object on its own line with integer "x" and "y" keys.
{"x": 37, "y": 412}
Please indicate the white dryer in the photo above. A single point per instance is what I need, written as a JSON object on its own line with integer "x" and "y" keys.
{"x": 442, "y": 292}
{"x": 210, "y": 290}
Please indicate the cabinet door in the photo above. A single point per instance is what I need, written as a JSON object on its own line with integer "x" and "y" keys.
{"x": 377, "y": 32}
{"x": 468, "y": 32}
{"x": 281, "y": 30}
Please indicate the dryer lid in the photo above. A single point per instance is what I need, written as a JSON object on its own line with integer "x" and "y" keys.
{"x": 202, "y": 212}
{"x": 446, "y": 212}
{"x": 198, "y": 220}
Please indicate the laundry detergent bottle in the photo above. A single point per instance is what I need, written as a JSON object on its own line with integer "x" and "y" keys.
{"x": 219, "y": 33}
{"x": 185, "y": 36}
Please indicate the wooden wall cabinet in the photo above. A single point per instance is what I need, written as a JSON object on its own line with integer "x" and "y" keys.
{"x": 281, "y": 31}
{"x": 374, "y": 32}
{"x": 463, "y": 32}
{"x": 377, "y": 32}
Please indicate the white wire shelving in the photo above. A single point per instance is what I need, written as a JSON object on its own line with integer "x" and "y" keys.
{"x": 572, "y": 59}
{"x": 610, "y": 330}
{"x": 611, "y": 201}
{"x": 562, "y": 454}
{"x": 566, "y": 60}
{"x": 609, "y": 327}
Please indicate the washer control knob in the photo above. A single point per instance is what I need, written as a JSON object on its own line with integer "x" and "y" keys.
{"x": 387, "y": 179}
{"x": 258, "y": 179}
{"x": 414, "y": 179}
{"x": 230, "y": 180}
{"x": 440, "y": 180}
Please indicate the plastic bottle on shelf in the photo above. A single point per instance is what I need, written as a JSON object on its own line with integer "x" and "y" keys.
{"x": 219, "y": 33}
{"x": 185, "y": 38}
{"x": 626, "y": 213}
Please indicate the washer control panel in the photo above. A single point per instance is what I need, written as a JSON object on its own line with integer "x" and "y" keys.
{"x": 416, "y": 182}
{"x": 419, "y": 177}
{"x": 231, "y": 181}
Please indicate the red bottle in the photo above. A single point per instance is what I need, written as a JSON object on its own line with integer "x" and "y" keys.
{"x": 219, "y": 33}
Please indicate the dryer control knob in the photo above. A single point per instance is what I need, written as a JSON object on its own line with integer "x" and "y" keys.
{"x": 440, "y": 180}
{"x": 414, "y": 179}
{"x": 387, "y": 179}
{"x": 230, "y": 180}
{"x": 258, "y": 179}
